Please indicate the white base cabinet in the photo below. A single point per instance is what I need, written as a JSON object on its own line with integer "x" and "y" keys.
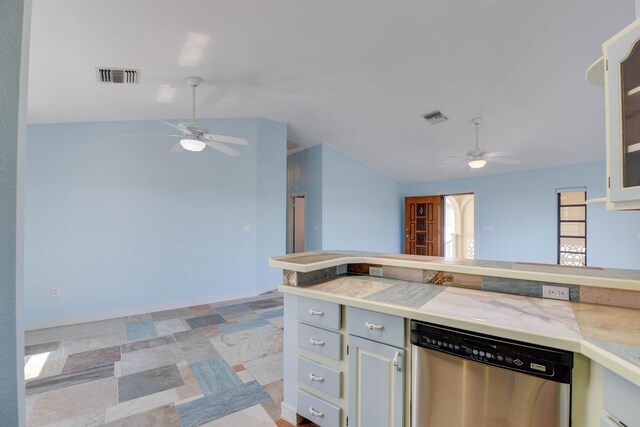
{"x": 376, "y": 384}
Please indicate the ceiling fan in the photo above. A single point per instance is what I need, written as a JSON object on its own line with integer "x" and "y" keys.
{"x": 478, "y": 158}
{"x": 195, "y": 138}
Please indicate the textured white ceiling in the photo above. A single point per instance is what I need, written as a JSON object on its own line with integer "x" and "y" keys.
{"x": 354, "y": 74}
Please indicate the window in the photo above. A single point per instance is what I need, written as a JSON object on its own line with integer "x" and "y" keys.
{"x": 572, "y": 228}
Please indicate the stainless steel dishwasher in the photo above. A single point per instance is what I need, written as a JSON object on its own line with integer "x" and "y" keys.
{"x": 464, "y": 379}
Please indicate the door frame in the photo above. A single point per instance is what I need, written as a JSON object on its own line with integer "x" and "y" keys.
{"x": 290, "y": 234}
{"x": 475, "y": 218}
{"x": 476, "y": 229}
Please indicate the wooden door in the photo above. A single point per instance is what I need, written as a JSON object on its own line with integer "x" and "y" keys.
{"x": 423, "y": 225}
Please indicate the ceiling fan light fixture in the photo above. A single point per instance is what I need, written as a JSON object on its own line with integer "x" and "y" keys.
{"x": 191, "y": 144}
{"x": 477, "y": 163}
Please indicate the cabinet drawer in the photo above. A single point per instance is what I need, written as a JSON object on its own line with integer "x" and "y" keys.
{"x": 375, "y": 326}
{"x": 320, "y": 341}
{"x": 320, "y": 377}
{"x": 317, "y": 410}
{"x": 621, "y": 399}
{"x": 321, "y": 313}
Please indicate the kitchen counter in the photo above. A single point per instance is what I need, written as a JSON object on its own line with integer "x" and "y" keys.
{"x": 590, "y": 276}
{"x": 608, "y": 335}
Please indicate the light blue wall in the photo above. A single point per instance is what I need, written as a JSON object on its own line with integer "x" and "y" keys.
{"x": 304, "y": 175}
{"x": 521, "y": 208}
{"x": 13, "y": 74}
{"x": 361, "y": 208}
{"x": 270, "y": 212}
{"x": 118, "y": 222}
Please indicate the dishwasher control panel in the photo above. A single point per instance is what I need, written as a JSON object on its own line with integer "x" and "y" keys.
{"x": 522, "y": 357}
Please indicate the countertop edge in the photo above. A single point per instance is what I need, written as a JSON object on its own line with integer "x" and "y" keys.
{"x": 569, "y": 279}
{"x": 576, "y": 345}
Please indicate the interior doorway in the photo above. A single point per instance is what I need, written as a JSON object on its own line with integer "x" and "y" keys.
{"x": 297, "y": 220}
{"x": 440, "y": 226}
{"x": 458, "y": 230}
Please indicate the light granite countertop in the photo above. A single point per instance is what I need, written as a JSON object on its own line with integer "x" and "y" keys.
{"x": 591, "y": 276}
{"x": 608, "y": 335}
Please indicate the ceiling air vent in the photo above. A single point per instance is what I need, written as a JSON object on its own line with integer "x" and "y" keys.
{"x": 435, "y": 117}
{"x": 118, "y": 75}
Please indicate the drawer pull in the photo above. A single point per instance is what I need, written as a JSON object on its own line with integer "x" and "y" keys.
{"x": 313, "y": 377}
{"x": 315, "y": 413}
{"x": 396, "y": 360}
{"x": 314, "y": 341}
{"x": 373, "y": 326}
{"x": 315, "y": 312}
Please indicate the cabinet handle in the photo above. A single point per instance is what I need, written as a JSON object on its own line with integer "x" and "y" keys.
{"x": 313, "y": 377}
{"x": 314, "y": 341}
{"x": 315, "y": 413}
{"x": 315, "y": 312}
{"x": 373, "y": 326}
{"x": 396, "y": 361}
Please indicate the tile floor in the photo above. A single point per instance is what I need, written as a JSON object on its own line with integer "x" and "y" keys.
{"x": 211, "y": 365}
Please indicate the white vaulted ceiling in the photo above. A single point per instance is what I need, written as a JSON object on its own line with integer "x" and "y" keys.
{"x": 354, "y": 74}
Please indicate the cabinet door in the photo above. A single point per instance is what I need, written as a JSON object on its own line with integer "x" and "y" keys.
{"x": 622, "y": 88}
{"x": 376, "y": 384}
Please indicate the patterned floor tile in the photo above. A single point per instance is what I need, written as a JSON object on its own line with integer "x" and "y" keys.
{"x": 78, "y": 400}
{"x": 141, "y": 330}
{"x": 278, "y": 312}
{"x": 267, "y": 369}
{"x": 254, "y": 416}
{"x": 54, "y": 382}
{"x": 79, "y": 330}
{"x": 232, "y": 309}
{"x": 209, "y": 320}
{"x": 275, "y": 390}
{"x": 214, "y": 376}
{"x": 163, "y": 416}
{"x": 138, "y": 318}
{"x": 178, "y": 313}
{"x": 213, "y": 407}
{"x": 148, "y": 382}
{"x": 250, "y": 344}
{"x": 150, "y": 343}
{"x": 195, "y": 346}
{"x": 261, "y": 304}
{"x": 171, "y": 326}
{"x": 201, "y": 310}
{"x": 89, "y": 359}
{"x": 153, "y": 342}
{"x": 149, "y": 358}
{"x": 78, "y": 345}
{"x": 272, "y": 408}
{"x": 41, "y": 348}
{"x": 240, "y": 326}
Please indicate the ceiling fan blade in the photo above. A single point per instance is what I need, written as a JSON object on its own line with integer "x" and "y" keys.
{"x": 225, "y": 138}
{"x": 221, "y": 147}
{"x": 505, "y": 161}
{"x": 144, "y": 134}
{"x": 497, "y": 154}
{"x": 178, "y": 128}
{"x": 176, "y": 148}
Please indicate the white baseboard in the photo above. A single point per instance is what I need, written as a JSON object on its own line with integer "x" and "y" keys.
{"x": 132, "y": 311}
{"x": 288, "y": 413}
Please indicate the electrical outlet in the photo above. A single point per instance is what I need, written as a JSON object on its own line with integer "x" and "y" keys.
{"x": 245, "y": 228}
{"x": 555, "y": 292}
{"x": 210, "y": 279}
{"x": 55, "y": 292}
{"x": 376, "y": 271}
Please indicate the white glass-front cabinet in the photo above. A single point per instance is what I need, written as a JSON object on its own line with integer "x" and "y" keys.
{"x": 622, "y": 91}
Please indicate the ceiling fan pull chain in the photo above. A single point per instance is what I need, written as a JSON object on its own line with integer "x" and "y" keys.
{"x": 193, "y": 111}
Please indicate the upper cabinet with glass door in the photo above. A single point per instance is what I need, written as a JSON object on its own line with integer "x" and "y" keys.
{"x": 622, "y": 91}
